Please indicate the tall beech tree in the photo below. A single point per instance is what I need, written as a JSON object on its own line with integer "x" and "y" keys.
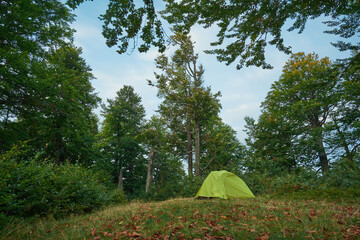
{"x": 181, "y": 86}
{"x": 28, "y": 29}
{"x": 277, "y": 145}
{"x": 46, "y": 97}
{"x": 124, "y": 118}
{"x": 304, "y": 97}
{"x": 60, "y": 121}
{"x": 63, "y": 116}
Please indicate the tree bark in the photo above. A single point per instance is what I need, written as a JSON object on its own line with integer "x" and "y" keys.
{"x": 197, "y": 147}
{"x": 349, "y": 155}
{"x": 189, "y": 146}
{"x": 324, "y": 162}
{"x": 60, "y": 148}
{"x": 149, "y": 169}
{"x": 120, "y": 180}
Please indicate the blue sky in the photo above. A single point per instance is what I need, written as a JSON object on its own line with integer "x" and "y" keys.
{"x": 242, "y": 90}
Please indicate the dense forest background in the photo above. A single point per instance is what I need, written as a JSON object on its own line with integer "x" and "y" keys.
{"x": 57, "y": 157}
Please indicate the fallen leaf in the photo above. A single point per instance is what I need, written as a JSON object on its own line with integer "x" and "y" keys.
{"x": 181, "y": 236}
{"x": 93, "y": 232}
{"x": 135, "y": 234}
{"x": 313, "y": 213}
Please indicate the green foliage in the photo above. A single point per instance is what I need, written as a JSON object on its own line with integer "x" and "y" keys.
{"x": 343, "y": 175}
{"x": 45, "y": 90}
{"x": 188, "y": 106}
{"x": 120, "y": 148}
{"x": 125, "y": 21}
{"x": 290, "y": 131}
{"x": 341, "y": 182}
{"x": 221, "y": 149}
{"x": 117, "y": 196}
{"x": 29, "y": 28}
{"x": 184, "y": 187}
{"x": 33, "y": 188}
{"x": 190, "y": 186}
{"x": 248, "y": 27}
{"x": 328, "y": 194}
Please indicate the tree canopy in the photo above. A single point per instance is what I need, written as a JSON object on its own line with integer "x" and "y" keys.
{"x": 247, "y": 27}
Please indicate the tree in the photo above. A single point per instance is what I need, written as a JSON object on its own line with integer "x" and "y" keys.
{"x": 61, "y": 121}
{"x": 164, "y": 168}
{"x": 153, "y": 135}
{"x": 344, "y": 128}
{"x": 123, "y": 122}
{"x": 274, "y": 146}
{"x": 248, "y": 26}
{"x": 46, "y": 97}
{"x": 181, "y": 86}
{"x": 28, "y": 28}
{"x": 304, "y": 96}
{"x": 222, "y": 150}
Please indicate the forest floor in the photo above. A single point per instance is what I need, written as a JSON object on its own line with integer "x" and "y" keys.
{"x": 186, "y": 218}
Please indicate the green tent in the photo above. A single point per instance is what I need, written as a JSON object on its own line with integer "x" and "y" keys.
{"x": 224, "y": 184}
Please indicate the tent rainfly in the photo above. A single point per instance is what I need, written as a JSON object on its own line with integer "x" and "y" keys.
{"x": 224, "y": 184}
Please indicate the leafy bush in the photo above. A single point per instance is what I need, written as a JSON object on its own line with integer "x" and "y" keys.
{"x": 329, "y": 194}
{"x": 184, "y": 187}
{"x": 117, "y": 196}
{"x": 344, "y": 174}
{"x": 341, "y": 182}
{"x": 190, "y": 186}
{"x": 32, "y": 188}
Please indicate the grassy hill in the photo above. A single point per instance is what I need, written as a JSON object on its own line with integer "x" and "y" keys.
{"x": 186, "y": 218}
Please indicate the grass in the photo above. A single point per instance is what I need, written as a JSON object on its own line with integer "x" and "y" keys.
{"x": 185, "y": 218}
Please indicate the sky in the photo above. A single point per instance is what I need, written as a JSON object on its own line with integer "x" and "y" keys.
{"x": 242, "y": 90}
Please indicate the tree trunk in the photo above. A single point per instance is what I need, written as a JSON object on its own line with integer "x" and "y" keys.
{"x": 60, "y": 148}
{"x": 120, "y": 180}
{"x": 324, "y": 162}
{"x": 189, "y": 147}
{"x": 349, "y": 155}
{"x": 317, "y": 126}
{"x": 197, "y": 147}
{"x": 149, "y": 169}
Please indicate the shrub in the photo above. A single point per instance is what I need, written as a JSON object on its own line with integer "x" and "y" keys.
{"x": 32, "y": 188}
{"x": 190, "y": 186}
{"x": 117, "y": 196}
{"x": 293, "y": 182}
{"x": 344, "y": 174}
{"x": 184, "y": 187}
